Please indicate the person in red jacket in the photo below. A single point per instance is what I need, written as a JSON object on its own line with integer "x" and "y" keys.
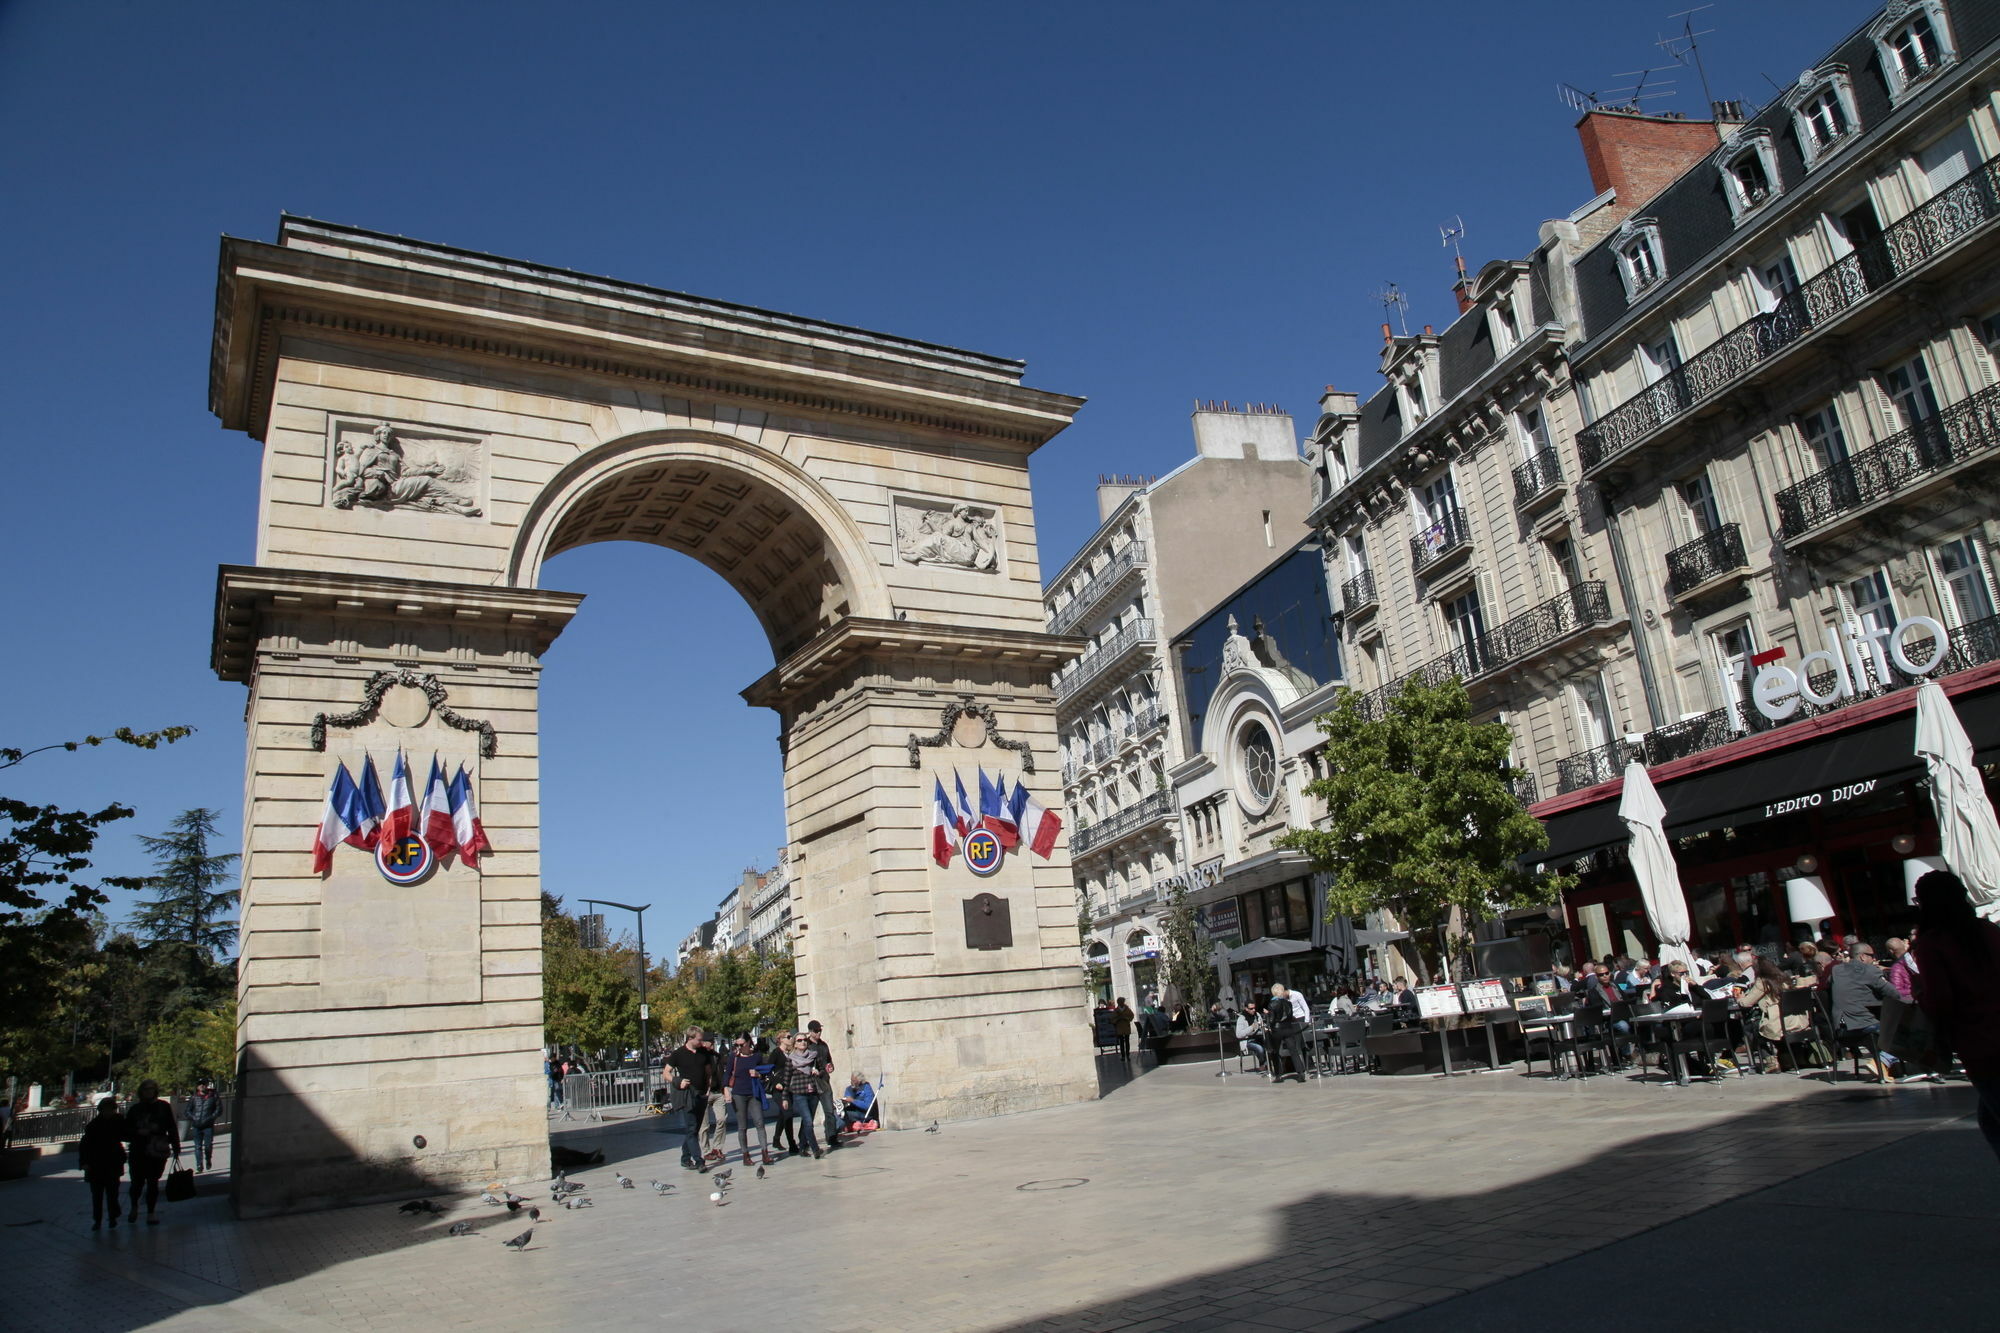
{"x": 1958, "y": 986}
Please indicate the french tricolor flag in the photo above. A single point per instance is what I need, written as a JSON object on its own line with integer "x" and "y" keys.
{"x": 434, "y": 822}
{"x": 962, "y": 812}
{"x": 945, "y": 836}
{"x": 1038, "y": 827}
{"x": 993, "y": 812}
{"x": 337, "y": 822}
{"x": 467, "y": 832}
{"x": 371, "y": 809}
{"x": 401, "y": 815}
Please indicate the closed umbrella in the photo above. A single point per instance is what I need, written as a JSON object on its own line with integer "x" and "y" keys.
{"x": 1968, "y": 836}
{"x": 1653, "y": 864}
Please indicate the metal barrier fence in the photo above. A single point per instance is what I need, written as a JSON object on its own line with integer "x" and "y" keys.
{"x": 589, "y": 1096}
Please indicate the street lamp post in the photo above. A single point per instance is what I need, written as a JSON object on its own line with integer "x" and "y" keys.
{"x": 645, "y": 1061}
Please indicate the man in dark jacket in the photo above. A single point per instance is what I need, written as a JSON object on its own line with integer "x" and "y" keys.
{"x": 155, "y": 1136}
{"x": 102, "y": 1155}
{"x": 1851, "y": 986}
{"x": 204, "y": 1109}
{"x": 823, "y": 1059}
{"x": 694, "y": 1080}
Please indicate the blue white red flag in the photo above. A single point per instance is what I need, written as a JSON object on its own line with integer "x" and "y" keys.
{"x": 337, "y": 820}
{"x": 1038, "y": 827}
{"x": 962, "y": 812}
{"x": 401, "y": 815}
{"x": 467, "y": 833}
{"x": 371, "y": 809}
{"x": 993, "y": 812}
{"x": 434, "y": 824}
{"x": 945, "y": 836}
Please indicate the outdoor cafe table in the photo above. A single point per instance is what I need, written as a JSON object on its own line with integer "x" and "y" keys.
{"x": 1677, "y": 1015}
{"x": 1551, "y": 1023}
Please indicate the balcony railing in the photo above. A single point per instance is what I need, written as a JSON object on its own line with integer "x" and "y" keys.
{"x": 1582, "y": 606}
{"x": 1706, "y": 557}
{"x": 1118, "y": 824}
{"x": 1358, "y": 593}
{"x": 1445, "y": 536}
{"x": 1101, "y": 749}
{"x": 1971, "y": 645}
{"x": 1143, "y": 722}
{"x": 1128, "y": 558}
{"x": 1962, "y": 431}
{"x": 1537, "y": 477}
{"x": 1906, "y": 245}
{"x": 1093, "y": 663}
{"x": 1523, "y": 787}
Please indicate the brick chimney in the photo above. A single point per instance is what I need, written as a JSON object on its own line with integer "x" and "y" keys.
{"x": 1640, "y": 155}
{"x": 1462, "y": 289}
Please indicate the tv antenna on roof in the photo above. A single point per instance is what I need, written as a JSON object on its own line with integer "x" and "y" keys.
{"x": 1635, "y": 97}
{"x": 1575, "y": 98}
{"x": 1452, "y": 233}
{"x": 1392, "y": 296}
{"x": 1684, "y": 50}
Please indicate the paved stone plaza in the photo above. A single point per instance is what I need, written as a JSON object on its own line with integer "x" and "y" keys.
{"x": 1178, "y": 1201}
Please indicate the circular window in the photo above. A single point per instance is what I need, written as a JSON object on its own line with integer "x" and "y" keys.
{"x": 1260, "y": 763}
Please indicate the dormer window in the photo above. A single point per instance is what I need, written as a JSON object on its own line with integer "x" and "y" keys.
{"x": 1415, "y": 409}
{"x": 1749, "y": 172}
{"x": 1641, "y": 263}
{"x": 1506, "y": 327}
{"x": 1914, "y": 42}
{"x": 1823, "y": 114}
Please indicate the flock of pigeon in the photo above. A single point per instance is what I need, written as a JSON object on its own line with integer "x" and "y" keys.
{"x": 563, "y": 1193}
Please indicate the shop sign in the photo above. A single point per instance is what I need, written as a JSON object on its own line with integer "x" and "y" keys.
{"x": 1201, "y": 877}
{"x": 1438, "y": 1002}
{"x": 1490, "y": 993}
{"x": 1141, "y": 955}
{"x": 1777, "y": 690}
{"x": 1220, "y": 918}
{"x": 1813, "y": 800}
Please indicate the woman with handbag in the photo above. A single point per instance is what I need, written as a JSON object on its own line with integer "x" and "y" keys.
{"x": 102, "y": 1155}
{"x": 151, "y": 1130}
{"x": 1765, "y": 994}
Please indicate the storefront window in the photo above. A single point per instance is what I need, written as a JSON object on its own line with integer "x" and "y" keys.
{"x": 1760, "y": 917}
{"x": 1275, "y": 918}
{"x": 1252, "y": 907}
{"x": 1298, "y": 907}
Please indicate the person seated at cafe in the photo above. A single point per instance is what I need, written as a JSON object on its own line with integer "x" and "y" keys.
{"x": 1853, "y": 987}
{"x": 1802, "y": 961}
{"x": 1250, "y": 1030}
{"x": 1902, "y": 969}
{"x": 1675, "y": 989}
{"x": 1403, "y": 999}
{"x": 1765, "y": 995}
{"x": 1627, "y": 978}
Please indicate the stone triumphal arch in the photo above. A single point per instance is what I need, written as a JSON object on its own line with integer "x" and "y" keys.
{"x": 435, "y": 425}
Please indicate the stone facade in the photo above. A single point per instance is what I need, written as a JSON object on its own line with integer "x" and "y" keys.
{"x": 435, "y": 424}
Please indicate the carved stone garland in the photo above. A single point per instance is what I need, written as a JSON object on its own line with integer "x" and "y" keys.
{"x": 948, "y": 719}
{"x": 380, "y": 684}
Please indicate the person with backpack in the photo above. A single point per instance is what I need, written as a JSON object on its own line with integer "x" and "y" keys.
{"x": 204, "y": 1110}
{"x": 155, "y": 1137}
{"x": 102, "y": 1155}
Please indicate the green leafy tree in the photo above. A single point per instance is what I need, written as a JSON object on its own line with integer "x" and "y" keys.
{"x": 590, "y": 997}
{"x": 1421, "y": 819}
{"x": 47, "y": 908}
{"x": 192, "y": 1044}
{"x": 1187, "y": 957}
{"x": 776, "y": 994}
{"x": 193, "y": 890}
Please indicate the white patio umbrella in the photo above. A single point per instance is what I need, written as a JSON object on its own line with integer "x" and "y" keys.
{"x": 1968, "y": 836}
{"x": 1653, "y": 864}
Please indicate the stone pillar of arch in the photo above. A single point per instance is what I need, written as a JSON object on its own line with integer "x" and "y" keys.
{"x": 434, "y": 425}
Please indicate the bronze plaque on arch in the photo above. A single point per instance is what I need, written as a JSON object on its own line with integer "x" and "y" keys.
{"x": 988, "y": 925}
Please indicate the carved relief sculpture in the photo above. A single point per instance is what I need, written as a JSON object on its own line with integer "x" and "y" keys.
{"x": 964, "y": 538}
{"x": 375, "y": 473}
{"x": 1236, "y": 653}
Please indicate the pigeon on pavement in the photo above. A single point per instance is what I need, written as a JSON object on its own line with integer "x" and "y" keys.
{"x": 624, "y": 1182}
{"x": 490, "y": 1197}
{"x": 420, "y": 1206}
{"x": 513, "y": 1207}
{"x": 933, "y": 1129}
{"x": 459, "y": 1229}
{"x": 534, "y": 1214}
{"x": 760, "y": 1173}
{"x": 520, "y": 1242}
{"x": 723, "y": 1175}
{"x": 516, "y": 1198}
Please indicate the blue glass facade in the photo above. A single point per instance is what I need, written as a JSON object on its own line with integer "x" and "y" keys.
{"x": 1289, "y": 601}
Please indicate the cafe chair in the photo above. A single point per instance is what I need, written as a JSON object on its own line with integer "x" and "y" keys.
{"x": 1793, "y": 1004}
{"x": 1717, "y": 1027}
{"x": 1350, "y": 1045}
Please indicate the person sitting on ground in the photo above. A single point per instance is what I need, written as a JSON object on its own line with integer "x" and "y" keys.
{"x": 1850, "y": 987}
{"x": 1250, "y": 1034}
{"x": 858, "y": 1102}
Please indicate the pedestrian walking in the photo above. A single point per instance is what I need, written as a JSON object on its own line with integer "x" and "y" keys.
{"x": 155, "y": 1137}
{"x": 801, "y": 1075}
{"x": 102, "y": 1155}
{"x": 744, "y": 1077}
{"x": 1958, "y": 987}
{"x": 777, "y": 1097}
{"x": 692, "y": 1083}
{"x": 823, "y": 1055}
{"x": 1289, "y": 1016}
{"x": 204, "y": 1110}
{"x": 715, "y": 1118}
{"x": 1121, "y": 1022}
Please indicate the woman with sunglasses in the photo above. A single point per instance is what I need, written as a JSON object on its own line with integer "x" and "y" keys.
{"x": 800, "y": 1068}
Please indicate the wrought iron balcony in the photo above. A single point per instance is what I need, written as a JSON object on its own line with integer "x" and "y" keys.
{"x": 1523, "y": 786}
{"x": 1705, "y": 558}
{"x": 1971, "y": 645}
{"x": 1129, "y": 557}
{"x": 1905, "y": 246}
{"x": 1101, "y": 749}
{"x": 1358, "y": 593}
{"x": 1537, "y": 478}
{"x": 1121, "y": 823}
{"x": 1527, "y": 634}
{"x": 1446, "y": 536}
{"x": 1900, "y": 463}
{"x": 1070, "y": 771}
{"x": 1143, "y": 722}
{"x": 1587, "y": 768}
{"x": 1094, "y": 663}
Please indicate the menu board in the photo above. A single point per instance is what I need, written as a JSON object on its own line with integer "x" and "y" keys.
{"x": 1490, "y": 993}
{"x": 1438, "y": 1002}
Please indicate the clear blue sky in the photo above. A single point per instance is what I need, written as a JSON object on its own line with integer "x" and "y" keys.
{"x": 1149, "y": 202}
